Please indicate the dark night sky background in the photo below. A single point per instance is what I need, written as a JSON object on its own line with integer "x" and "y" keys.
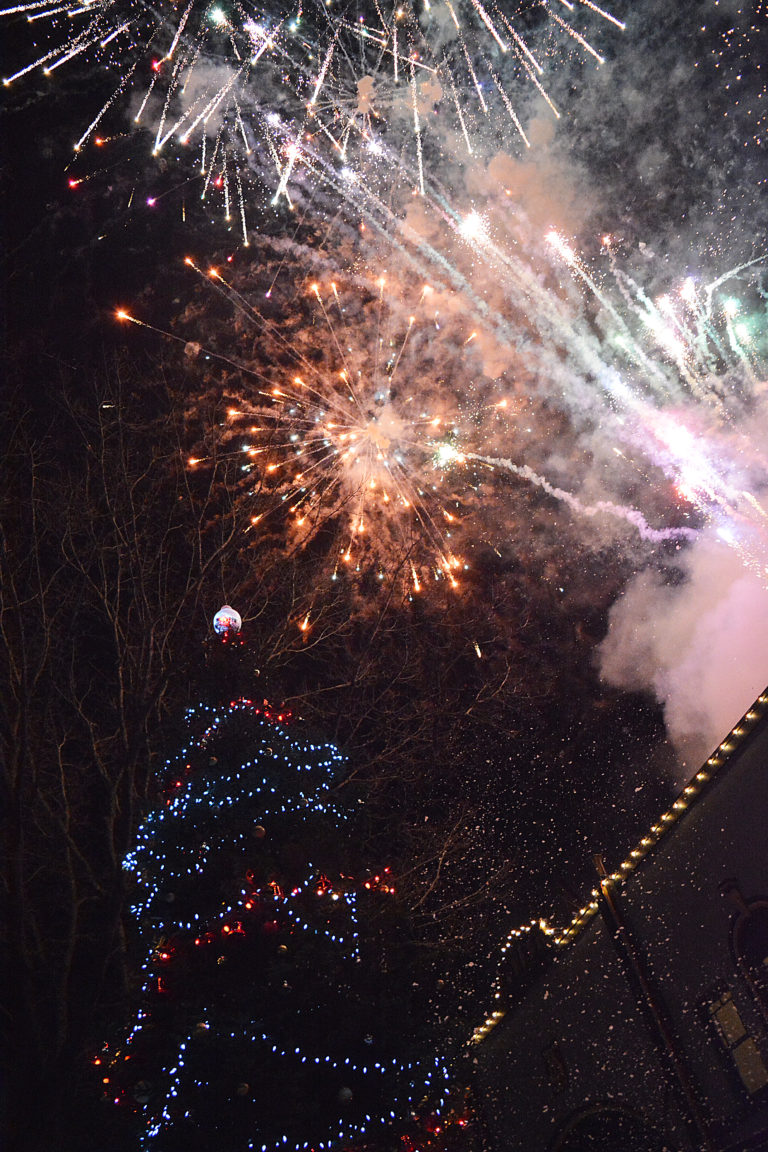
{"x": 663, "y": 147}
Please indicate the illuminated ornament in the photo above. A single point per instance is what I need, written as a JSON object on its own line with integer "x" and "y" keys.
{"x": 226, "y": 621}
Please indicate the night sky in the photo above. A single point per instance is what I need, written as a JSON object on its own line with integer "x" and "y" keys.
{"x": 567, "y": 422}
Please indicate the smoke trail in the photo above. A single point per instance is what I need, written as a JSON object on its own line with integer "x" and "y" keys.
{"x": 601, "y": 507}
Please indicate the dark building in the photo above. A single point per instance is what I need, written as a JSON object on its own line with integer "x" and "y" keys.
{"x": 643, "y": 1025}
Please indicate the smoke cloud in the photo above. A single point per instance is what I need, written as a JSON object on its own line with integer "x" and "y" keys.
{"x": 701, "y": 646}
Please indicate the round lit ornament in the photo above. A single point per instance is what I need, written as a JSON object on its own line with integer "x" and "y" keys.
{"x": 259, "y": 832}
{"x": 345, "y": 1095}
{"x": 227, "y": 620}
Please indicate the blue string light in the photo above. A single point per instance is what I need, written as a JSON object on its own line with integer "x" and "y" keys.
{"x": 284, "y": 778}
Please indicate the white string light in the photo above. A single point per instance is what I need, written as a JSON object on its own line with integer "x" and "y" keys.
{"x": 663, "y": 825}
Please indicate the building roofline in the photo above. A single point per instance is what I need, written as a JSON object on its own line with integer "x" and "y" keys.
{"x": 699, "y": 784}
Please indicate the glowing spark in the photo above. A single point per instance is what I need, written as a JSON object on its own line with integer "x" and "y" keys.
{"x": 473, "y": 228}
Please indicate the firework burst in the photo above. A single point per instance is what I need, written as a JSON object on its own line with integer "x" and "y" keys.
{"x": 351, "y": 418}
{"x": 693, "y": 365}
{"x": 366, "y": 426}
{"x": 265, "y": 94}
{"x": 359, "y": 449}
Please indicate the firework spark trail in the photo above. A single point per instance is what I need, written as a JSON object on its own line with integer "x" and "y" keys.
{"x": 555, "y": 320}
{"x": 688, "y": 336}
{"x": 692, "y": 341}
{"x": 347, "y": 447}
{"x": 708, "y": 471}
{"x": 647, "y": 350}
{"x": 620, "y": 401}
{"x": 656, "y": 376}
{"x": 554, "y": 316}
{"x": 267, "y": 55}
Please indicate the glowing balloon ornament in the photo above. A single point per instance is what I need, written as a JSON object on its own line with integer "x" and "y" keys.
{"x": 227, "y": 621}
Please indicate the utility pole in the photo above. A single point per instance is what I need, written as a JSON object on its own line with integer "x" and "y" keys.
{"x": 634, "y": 957}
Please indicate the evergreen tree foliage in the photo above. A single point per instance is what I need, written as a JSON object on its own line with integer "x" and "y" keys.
{"x": 282, "y": 1004}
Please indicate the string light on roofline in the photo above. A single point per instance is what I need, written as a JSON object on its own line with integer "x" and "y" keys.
{"x": 688, "y": 795}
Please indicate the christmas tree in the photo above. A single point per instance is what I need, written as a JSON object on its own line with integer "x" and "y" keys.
{"x": 281, "y": 1005}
